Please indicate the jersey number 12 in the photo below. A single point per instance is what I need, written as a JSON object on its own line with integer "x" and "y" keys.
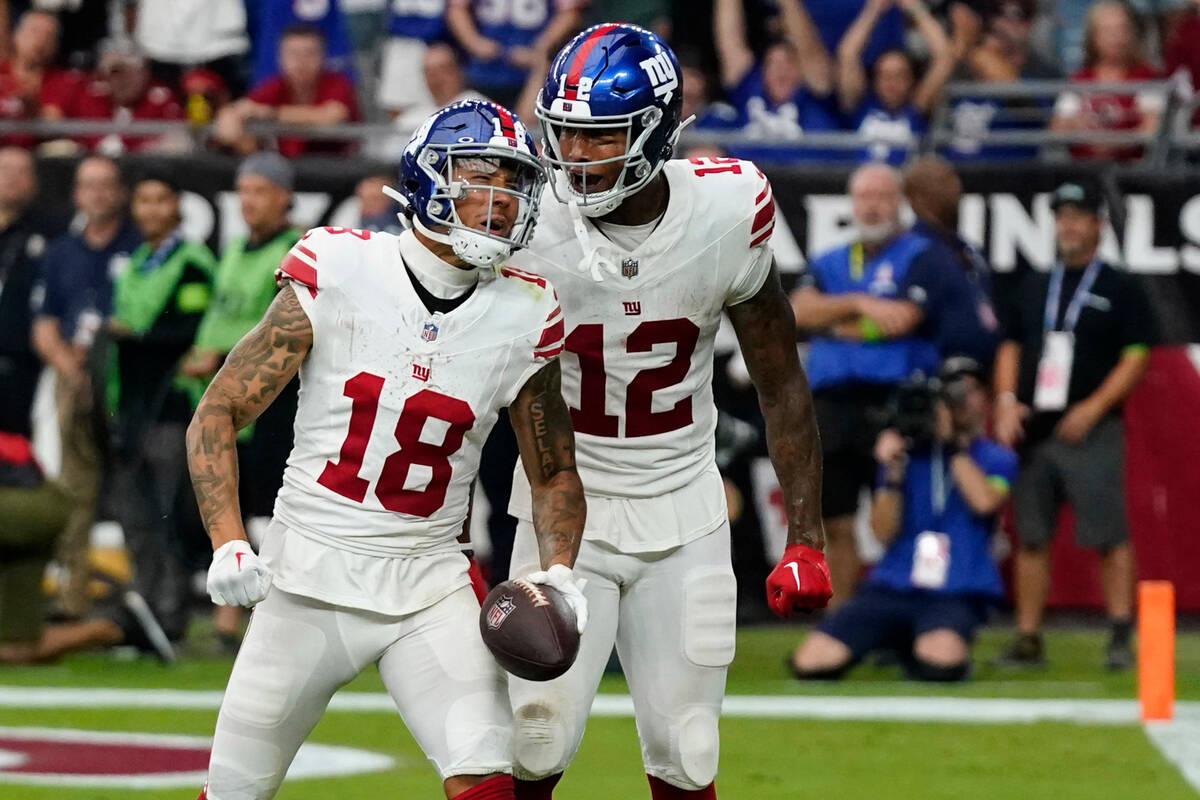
{"x": 587, "y": 342}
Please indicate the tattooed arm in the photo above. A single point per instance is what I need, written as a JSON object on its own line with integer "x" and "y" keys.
{"x": 766, "y": 330}
{"x": 254, "y": 373}
{"x": 543, "y": 426}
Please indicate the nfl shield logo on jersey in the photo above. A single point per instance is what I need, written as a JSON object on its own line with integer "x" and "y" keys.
{"x": 499, "y": 612}
{"x": 629, "y": 267}
{"x": 429, "y": 332}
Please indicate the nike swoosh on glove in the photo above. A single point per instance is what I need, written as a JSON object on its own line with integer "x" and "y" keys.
{"x": 800, "y": 582}
{"x": 237, "y": 576}
{"x": 562, "y": 578}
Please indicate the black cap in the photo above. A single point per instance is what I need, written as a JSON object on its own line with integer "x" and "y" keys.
{"x": 1083, "y": 193}
{"x": 956, "y": 367}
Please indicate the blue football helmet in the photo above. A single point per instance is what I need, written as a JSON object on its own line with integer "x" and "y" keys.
{"x": 612, "y": 76}
{"x": 473, "y": 134}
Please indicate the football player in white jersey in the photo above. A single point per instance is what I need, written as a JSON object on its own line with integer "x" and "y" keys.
{"x": 647, "y": 254}
{"x": 407, "y": 347}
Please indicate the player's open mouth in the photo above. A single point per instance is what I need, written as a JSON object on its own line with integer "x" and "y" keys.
{"x": 497, "y": 226}
{"x": 587, "y": 184}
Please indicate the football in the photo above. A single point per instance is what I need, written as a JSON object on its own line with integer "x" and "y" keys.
{"x": 530, "y": 629}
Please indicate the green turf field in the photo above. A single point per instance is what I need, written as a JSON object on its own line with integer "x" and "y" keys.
{"x": 760, "y": 758}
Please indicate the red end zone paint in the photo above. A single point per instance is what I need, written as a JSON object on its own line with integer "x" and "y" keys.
{"x": 52, "y": 756}
{"x": 75, "y": 758}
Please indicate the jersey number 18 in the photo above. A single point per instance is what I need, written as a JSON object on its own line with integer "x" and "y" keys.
{"x": 364, "y": 391}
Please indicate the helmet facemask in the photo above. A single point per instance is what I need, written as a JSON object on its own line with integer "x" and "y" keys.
{"x": 450, "y": 168}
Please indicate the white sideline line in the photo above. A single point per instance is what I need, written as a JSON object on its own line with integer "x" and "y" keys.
{"x": 1178, "y": 740}
{"x": 913, "y": 709}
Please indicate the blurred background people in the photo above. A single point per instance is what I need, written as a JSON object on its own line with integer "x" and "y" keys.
{"x": 414, "y": 26}
{"x": 504, "y": 41}
{"x": 31, "y": 84}
{"x": 955, "y": 274}
{"x": 124, "y": 91}
{"x": 1075, "y": 344}
{"x": 444, "y": 83}
{"x": 1112, "y": 54}
{"x": 178, "y": 35}
{"x": 243, "y": 288}
{"x": 158, "y": 303}
{"x": 377, "y": 211}
{"x": 304, "y": 92}
{"x": 786, "y": 93}
{"x": 892, "y": 108}
{"x": 70, "y": 304}
{"x": 939, "y": 486}
{"x": 271, "y": 20}
{"x": 862, "y": 310}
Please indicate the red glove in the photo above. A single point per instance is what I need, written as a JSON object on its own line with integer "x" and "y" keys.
{"x": 478, "y": 584}
{"x": 800, "y": 582}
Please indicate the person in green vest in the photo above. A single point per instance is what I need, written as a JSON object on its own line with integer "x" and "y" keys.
{"x": 158, "y": 302}
{"x": 245, "y": 286}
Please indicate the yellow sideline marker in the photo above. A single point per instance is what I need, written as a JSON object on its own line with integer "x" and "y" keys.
{"x": 1156, "y": 649}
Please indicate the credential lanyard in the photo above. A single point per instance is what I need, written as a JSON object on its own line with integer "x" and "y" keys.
{"x": 1075, "y": 307}
{"x": 937, "y": 483}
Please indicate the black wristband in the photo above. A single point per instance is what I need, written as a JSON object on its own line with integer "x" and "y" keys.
{"x": 894, "y": 486}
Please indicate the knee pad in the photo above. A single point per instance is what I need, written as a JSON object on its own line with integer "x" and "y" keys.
{"x": 710, "y": 617}
{"x": 540, "y": 746}
{"x": 697, "y": 748}
{"x": 924, "y": 671}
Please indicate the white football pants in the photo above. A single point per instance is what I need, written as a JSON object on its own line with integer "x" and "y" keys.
{"x": 673, "y": 617}
{"x": 299, "y": 651}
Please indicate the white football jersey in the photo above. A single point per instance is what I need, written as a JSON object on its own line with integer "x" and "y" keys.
{"x": 637, "y": 368}
{"x": 396, "y": 402}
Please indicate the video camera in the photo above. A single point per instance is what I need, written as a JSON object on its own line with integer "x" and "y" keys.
{"x": 912, "y": 410}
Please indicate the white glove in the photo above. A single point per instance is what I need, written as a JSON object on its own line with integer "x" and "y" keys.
{"x": 562, "y": 578}
{"x": 237, "y": 576}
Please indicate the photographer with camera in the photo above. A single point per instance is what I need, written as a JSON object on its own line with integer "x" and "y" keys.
{"x": 940, "y": 483}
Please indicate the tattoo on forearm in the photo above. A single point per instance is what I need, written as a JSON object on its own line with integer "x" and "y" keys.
{"x": 542, "y": 423}
{"x": 254, "y": 373}
{"x": 766, "y": 330}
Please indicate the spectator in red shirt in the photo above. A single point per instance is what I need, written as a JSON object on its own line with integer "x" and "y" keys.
{"x": 304, "y": 93}
{"x": 1112, "y": 53}
{"x": 123, "y": 91}
{"x": 30, "y": 86}
{"x": 1183, "y": 50}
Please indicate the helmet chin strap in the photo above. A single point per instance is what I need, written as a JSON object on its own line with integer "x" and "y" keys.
{"x": 596, "y": 260}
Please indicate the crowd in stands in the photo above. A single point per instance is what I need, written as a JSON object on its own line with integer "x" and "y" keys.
{"x": 769, "y": 71}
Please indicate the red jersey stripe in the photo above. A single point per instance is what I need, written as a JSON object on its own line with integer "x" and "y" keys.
{"x": 764, "y": 217}
{"x": 551, "y": 335}
{"x": 766, "y": 234}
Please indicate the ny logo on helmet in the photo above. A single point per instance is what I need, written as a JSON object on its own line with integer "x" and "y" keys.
{"x": 662, "y": 75}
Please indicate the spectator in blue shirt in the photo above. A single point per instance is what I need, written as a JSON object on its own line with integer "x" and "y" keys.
{"x": 783, "y": 96}
{"x": 934, "y": 510}
{"x": 864, "y": 311}
{"x": 1005, "y": 54}
{"x": 72, "y": 300}
{"x": 963, "y": 319}
{"x": 894, "y": 109}
{"x": 504, "y": 41}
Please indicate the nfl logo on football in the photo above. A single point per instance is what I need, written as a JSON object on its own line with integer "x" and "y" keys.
{"x": 429, "y": 333}
{"x": 629, "y": 267}
{"x": 499, "y": 612}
